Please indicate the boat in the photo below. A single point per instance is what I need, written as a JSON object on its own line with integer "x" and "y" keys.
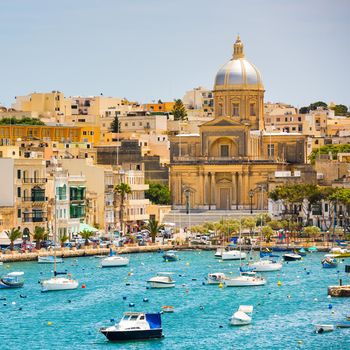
{"x": 329, "y": 263}
{"x": 338, "y": 252}
{"x": 313, "y": 249}
{"x": 242, "y": 316}
{"x": 59, "y": 283}
{"x": 344, "y": 324}
{"x": 245, "y": 280}
{"x": 12, "y": 280}
{"x": 50, "y": 259}
{"x": 135, "y": 326}
{"x": 168, "y": 309}
{"x": 114, "y": 261}
{"x": 280, "y": 249}
{"x": 233, "y": 255}
{"x": 291, "y": 257}
{"x": 162, "y": 280}
{"x": 301, "y": 252}
{"x": 266, "y": 265}
{"x": 216, "y": 278}
{"x": 218, "y": 253}
{"x": 322, "y": 328}
{"x": 170, "y": 255}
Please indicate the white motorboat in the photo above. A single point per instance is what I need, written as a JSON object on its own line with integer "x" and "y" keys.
{"x": 162, "y": 280}
{"x": 59, "y": 283}
{"x": 242, "y": 316}
{"x": 218, "y": 253}
{"x": 291, "y": 257}
{"x": 322, "y": 328}
{"x": 265, "y": 265}
{"x": 135, "y": 325}
{"x": 114, "y": 261}
{"x": 233, "y": 255}
{"x": 216, "y": 278}
{"x": 245, "y": 281}
{"x": 50, "y": 259}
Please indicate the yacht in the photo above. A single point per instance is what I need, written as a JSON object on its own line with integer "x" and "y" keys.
{"x": 291, "y": 257}
{"x": 135, "y": 326}
{"x": 244, "y": 280}
{"x": 12, "y": 280}
{"x": 114, "y": 261}
{"x": 233, "y": 255}
{"x": 50, "y": 259}
{"x": 59, "y": 283}
{"x": 265, "y": 265}
{"x": 242, "y": 316}
{"x": 216, "y": 278}
{"x": 162, "y": 280}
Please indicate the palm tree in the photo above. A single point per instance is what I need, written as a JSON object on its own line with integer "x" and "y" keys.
{"x": 86, "y": 234}
{"x": 153, "y": 227}
{"x": 63, "y": 239}
{"x": 39, "y": 235}
{"x": 122, "y": 190}
{"x": 13, "y": 235}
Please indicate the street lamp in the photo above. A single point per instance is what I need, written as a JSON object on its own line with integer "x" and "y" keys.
{"x": 251, "y": 194}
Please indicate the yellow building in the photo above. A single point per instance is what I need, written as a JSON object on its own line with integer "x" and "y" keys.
{"x": 232, "y": 154}
{"x": 165, "y": 107}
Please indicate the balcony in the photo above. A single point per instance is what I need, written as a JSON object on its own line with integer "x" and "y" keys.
{"x": 34, "y": 180}
{"x": 34, "y": 217}
{"x": 34, "y": 199}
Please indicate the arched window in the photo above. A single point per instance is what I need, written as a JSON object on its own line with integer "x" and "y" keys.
{"x": 235, "y": 109}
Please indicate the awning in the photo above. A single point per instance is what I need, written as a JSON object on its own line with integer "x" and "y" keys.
{"x": 83, "y": 226}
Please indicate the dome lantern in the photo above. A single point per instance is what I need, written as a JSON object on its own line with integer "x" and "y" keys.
{"x": 238, "y": 49}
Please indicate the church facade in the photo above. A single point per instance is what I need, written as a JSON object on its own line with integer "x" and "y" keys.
{"x": 227, "y": 165}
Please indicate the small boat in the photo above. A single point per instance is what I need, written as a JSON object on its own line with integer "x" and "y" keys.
{"x": 168, "y": 309}
{"x": 322, "y": 328}
{"x": 233, "y": 255}
{"x": 12, "y": 280}
{"x": 301, "y": 252}
{"x": 291, "y": 257}
{"x": 170, "y": 255}
{"x": 264, "y": 265}
{"x": 242, "y": 316}
{"x": 114, "y": 261}
{"x": 313, "y": 249}
{"x": 280, "y": 249}
{"x": 59, "y": 283}
{"x": 329, "y": 262}
{"x": 162, "y": 280}
{"x": 50, "y": 259}
{"x": 244, "y": 280}
{"x": 135, "y": 326}
{"x": 216, "y": 278}
{"x": 343, "y": 324}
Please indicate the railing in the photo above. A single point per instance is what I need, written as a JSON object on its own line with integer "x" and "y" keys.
{"x": 34, "y": 199}
{"x": 34, "y": 180}
{"x": 31, "y": 218}
{"x": 77, "y": 198}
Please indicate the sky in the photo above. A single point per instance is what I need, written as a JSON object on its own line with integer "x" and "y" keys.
{"x": 147, "y": 50}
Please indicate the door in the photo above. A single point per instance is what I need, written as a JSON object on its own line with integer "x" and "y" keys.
{"x": 225, "y": 202}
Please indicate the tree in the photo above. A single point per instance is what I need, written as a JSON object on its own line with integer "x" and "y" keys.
{"x": 179, "y": 110}
{"x": 13, "y": 235}
{"x": 39, "y": 235}
{"x": 63, "y": 239}
{"x": 267, "y": 232}
{"x": 153, "y": 227}
{"x": 329, "y": 149}
{"x": 312, "y": 231}
{"x": 304, "y": 110}
{"x": 158, "y": 194}
{"x": 22, "y": 121}
{"x": 249, "y": 223}
{"x": 340, "y": 110}
{"x": 122, "y": 190}
{"x": 86, "y": 234}
{"x": 115, "y": 125}
{"x": 275, "y": 225}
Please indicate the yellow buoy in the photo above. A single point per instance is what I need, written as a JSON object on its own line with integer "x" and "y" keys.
{"x": 49, "y": 323}
{"x": 279, "y": 283}
{"x": 220, "y": 285}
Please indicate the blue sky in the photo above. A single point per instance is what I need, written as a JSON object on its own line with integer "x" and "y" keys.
{"x": 150, "y": 49}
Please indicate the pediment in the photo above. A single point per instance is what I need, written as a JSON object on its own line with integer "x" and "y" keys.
{"x": 224, "y": 181}
{"x": 222, "y": 121}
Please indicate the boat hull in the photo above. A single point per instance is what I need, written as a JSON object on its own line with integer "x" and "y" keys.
{"x": 51, "y": 286}
{"x": 4, "y": 285}
{"x": 245, "y": 281}
{"x": 291, "y": 257}
{"x": 266, "y": 267}
{"x": 322, "y": 328}
{"x": 233, "y": 255}
{"x": 132, "y": 335}
{"x": 107, "y": 262}
{"x": 154, "y": 284}
{"x": 47, "y": 260}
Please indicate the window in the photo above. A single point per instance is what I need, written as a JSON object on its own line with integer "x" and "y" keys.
{"x": 278, "y": 119}
{"x": 18, "y": 192}
{"x": 235, "y": 109}
{"x": 252, "y": 109}
{"x": 133, "y": 123}
{"x": 126, "y": 124}
{"x": 220, "y": 109}
{"x": 224, "y": 150}
{"x": 19, "y": 213}
{"x": 84, "y": 132}
{"x": 18, "y": 173}
{"x": 326, "y": 207}
{"x": 271, "y": 150}
{"x": 285, "y": 119}
{"x": 299, "y": 119}
{"x": 140, "y": 123}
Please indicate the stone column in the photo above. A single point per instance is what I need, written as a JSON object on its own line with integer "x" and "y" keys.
{"x": 240, "y": 190}
{"x": 206, "y": 190}
{"x": 212, "y": 191}
{"x": 234, "y": 191}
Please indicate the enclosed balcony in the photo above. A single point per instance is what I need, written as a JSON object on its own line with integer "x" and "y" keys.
{"x": 34, "y": 216}
{"x": 77, "y": 193}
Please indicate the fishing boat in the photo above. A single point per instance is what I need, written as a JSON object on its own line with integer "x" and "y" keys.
{"x": 216, "y": 278}
{"x": 135, "y": 326}
{"x": 12, "y": 280}
{"x": 329, "y": 262}
{"x": 168, "y": 309}
{"x": 50, "y": 259}
{"x": 291, "y": 257}
{"x": 322, "y": 328}
{"x": 266, "y": 265}
{"x": 242, "y": 316}
{"x": 170, "y": 255}
{"x": 162, "y": 280}
{"x": 233, "y": 255}
{"x": 301, "y": 252}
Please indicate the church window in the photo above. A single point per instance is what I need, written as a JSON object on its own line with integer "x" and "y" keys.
{"x": 224, "y": 150}
{"x": 220, "y": 110}
{"x": 235, "y": 109}
{"x": 270, "y": 150}
{"x": 252, "y": 109}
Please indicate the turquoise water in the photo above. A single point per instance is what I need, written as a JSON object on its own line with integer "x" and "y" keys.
{"x": 279, "y": 322}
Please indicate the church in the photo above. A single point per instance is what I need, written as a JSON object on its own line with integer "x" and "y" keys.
{"x": 228, "y": 164}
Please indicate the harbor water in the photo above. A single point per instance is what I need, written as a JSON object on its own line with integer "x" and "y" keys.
{"x": 283, "y": 318}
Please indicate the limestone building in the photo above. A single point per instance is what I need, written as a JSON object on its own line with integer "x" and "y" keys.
{"x": 226, "y": 165}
